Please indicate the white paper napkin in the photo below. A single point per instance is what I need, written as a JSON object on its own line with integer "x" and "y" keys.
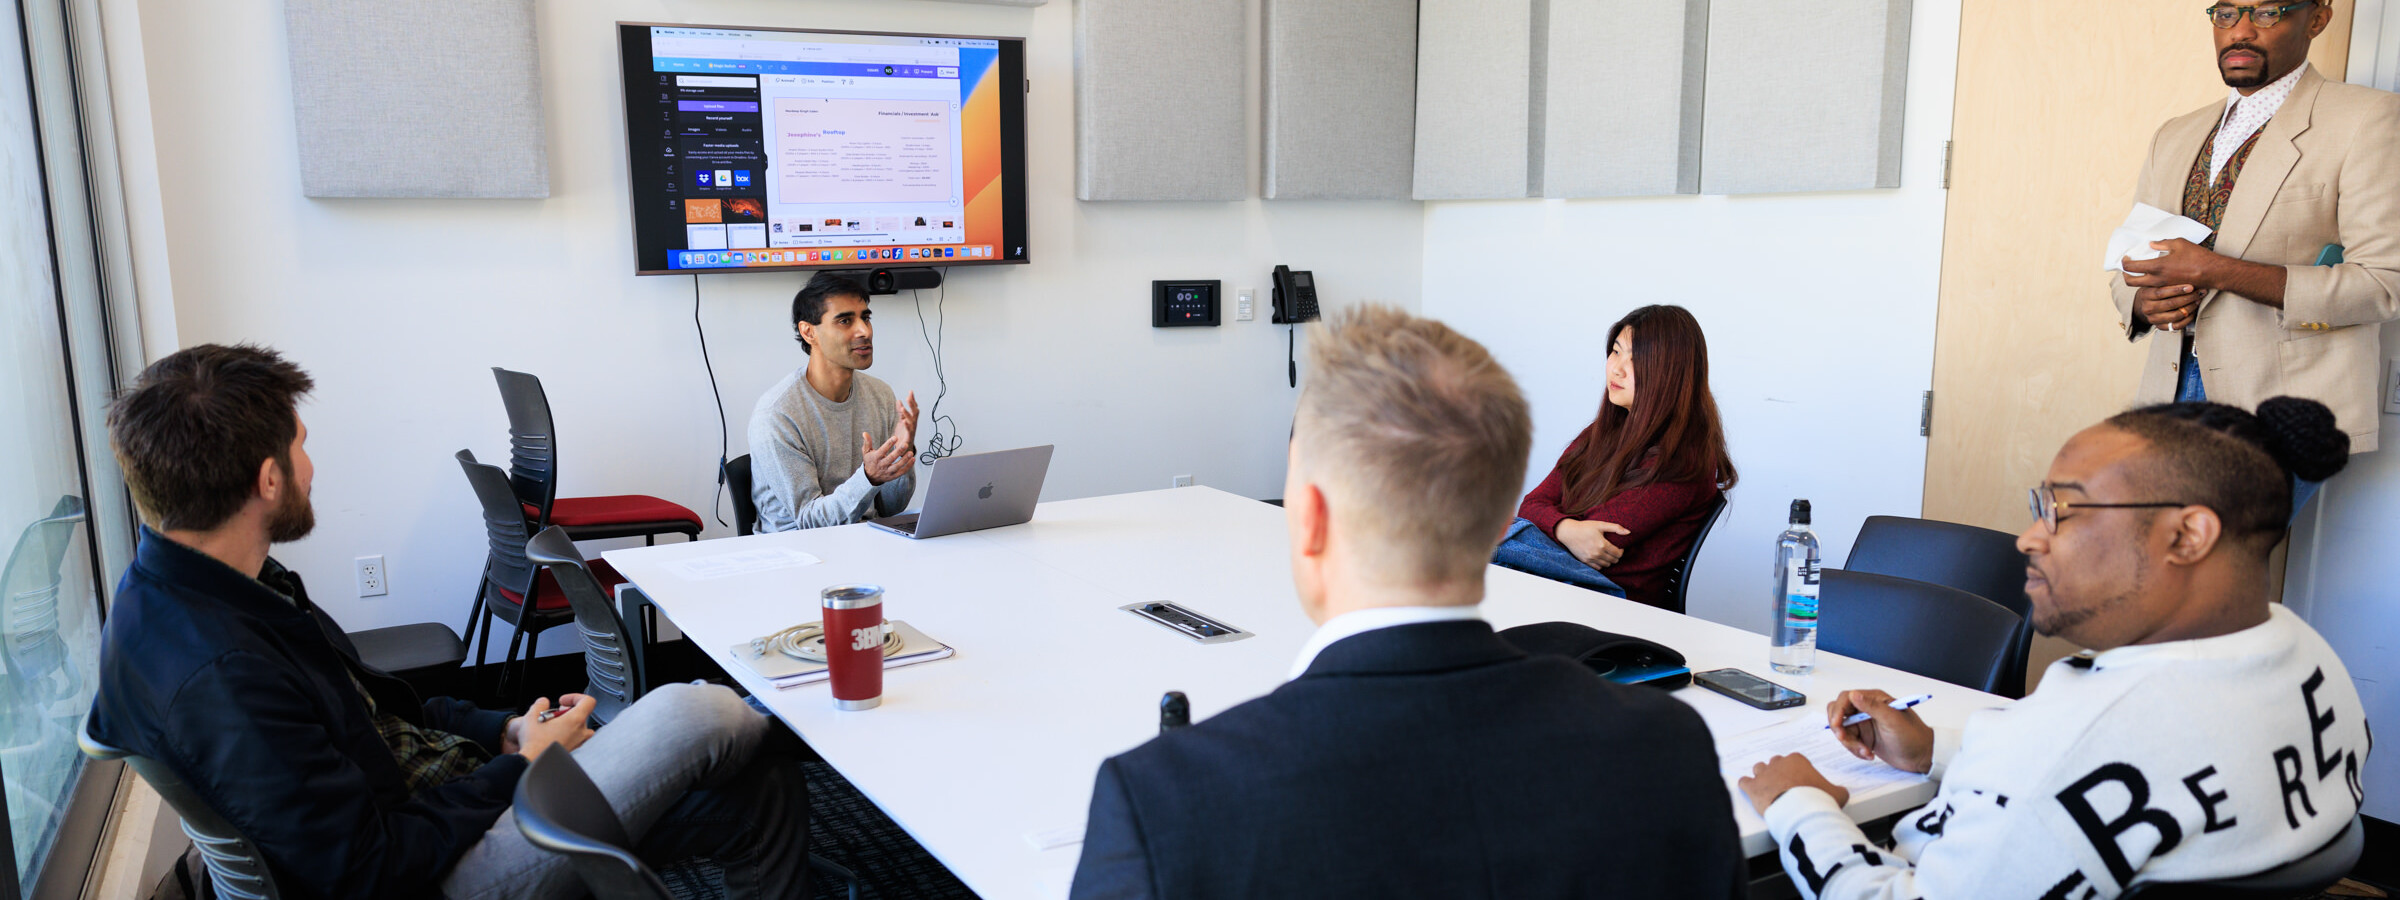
{"x": 2144, "y": 224}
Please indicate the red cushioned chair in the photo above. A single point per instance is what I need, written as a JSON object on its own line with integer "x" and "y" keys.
{"x": 533, "y": 474}
{"x": 512, "y": 588}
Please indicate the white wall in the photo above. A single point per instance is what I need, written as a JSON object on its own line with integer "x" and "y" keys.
{"x": 400, "y": 307}
{"x": 2340, "y": 575}
{"x": 1819, "y": 310}
{"x": 2340, "y": 578}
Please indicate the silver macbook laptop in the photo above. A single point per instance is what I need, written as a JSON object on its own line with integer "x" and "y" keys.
{"x": 975, "y": 491}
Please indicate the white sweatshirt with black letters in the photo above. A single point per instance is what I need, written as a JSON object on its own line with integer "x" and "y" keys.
{"x": 2180, "y": 761}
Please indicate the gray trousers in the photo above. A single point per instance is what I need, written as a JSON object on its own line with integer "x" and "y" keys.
{"x": 677, "y": 766}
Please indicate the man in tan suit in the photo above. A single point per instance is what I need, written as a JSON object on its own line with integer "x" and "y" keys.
{"x": 2289, "y": 165}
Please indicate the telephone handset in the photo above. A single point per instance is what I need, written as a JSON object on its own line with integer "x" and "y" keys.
{"x": 1295, "y": 296}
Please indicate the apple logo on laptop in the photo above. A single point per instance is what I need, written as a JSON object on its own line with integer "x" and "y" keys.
{"x": 985, "y": 493}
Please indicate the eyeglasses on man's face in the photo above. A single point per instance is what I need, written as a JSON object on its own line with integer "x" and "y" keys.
{"x": 2046, "y": 506}
{"x": 2226, "y": 16}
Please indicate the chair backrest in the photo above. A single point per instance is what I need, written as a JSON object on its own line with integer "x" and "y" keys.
{"x": 559, "y": 809}
{"x": 1915, "y": 626}
{"x": 1679, "y": 579}
{"x": 29, "y": 585}
{"x": 504, "y": 526}
{"x": 236, "y": 867}
{"x": 532, "y": 444}
{"x": 2305, "y": 877}
{"x": 1979, "y": 561}
{"x": 737, "y": 483}
{"x": 614, "y": 672}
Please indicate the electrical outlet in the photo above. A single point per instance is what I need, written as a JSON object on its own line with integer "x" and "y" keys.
{"x": 2391, "y": 387}
{"x": 1183, "y": 481}
{"x": 371, "y": 582}
{"x": 1242, "y": 300}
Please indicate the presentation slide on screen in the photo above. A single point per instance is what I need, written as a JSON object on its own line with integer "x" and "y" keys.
{"x": 799, "y": 148}
{"x": 866, "y": 151}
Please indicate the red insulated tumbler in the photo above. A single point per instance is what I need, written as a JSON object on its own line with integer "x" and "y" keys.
{"x": 854, "y": 644}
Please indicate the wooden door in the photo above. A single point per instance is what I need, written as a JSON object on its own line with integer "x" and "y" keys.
{"x": 2056, "y": 105}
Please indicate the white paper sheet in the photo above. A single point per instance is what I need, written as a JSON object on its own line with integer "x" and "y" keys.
{"x": 2144, "y": 224}
{"x": 739, "y": 562}
{"x": 1807, "y": 736}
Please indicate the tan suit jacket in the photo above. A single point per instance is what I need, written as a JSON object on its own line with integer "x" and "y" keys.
{"x": 2326, "y": 171}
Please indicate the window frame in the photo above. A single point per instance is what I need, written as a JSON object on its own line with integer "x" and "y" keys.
{"x": 67, "y": 85}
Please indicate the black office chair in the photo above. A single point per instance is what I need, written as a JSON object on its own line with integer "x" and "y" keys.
{"x": 425, "y": 654}
{"x": 513, "y": 589}
{"x": 1979, "y": 561}
{"x": 533, "y": 474}
{"x": 1914, "y": 626}
{"x": 235, "y": 866}
{"x": 2305, "y": 877}
{"x": 612, "y": 661}
{"x": 1679, "y": 579}
{"x": 559, "y": 809}
{"x": 745, "y": 504}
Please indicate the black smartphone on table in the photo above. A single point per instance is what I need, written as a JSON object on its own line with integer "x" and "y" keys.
{"x": 1750, "y": 689}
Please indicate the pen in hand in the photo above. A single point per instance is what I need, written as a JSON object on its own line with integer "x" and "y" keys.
{"x": 556, "y": 711}
{"x": 1902, "y": 703}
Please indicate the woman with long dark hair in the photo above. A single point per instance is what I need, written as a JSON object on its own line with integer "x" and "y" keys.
{"x": 1629, "y": 496}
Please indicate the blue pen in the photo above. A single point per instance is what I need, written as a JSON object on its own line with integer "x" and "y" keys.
{"x": 1902, "y": 703}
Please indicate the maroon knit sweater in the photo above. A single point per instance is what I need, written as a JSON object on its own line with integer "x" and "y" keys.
{"x": 1663, "y": 518}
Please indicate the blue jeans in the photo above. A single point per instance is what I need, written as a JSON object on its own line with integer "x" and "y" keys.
{"x": 2188, "y": 389}
{"x": 1528, "y": 550}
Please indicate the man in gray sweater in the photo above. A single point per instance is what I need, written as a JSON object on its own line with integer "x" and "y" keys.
{"x": 807, "y": 471}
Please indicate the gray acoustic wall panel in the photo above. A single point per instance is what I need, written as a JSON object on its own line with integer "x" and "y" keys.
{"x": 1341, "y": 99}
{"x": 1474, "y": 98}
{"x": 427, "y": 98}
{"x": 1804, "y": 97}
{"x": 1618, "y": 97}
{"x": 1158, "y": 100}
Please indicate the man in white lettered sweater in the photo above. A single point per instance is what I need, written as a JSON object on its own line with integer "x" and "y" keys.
{"x": 2212, "y": 733}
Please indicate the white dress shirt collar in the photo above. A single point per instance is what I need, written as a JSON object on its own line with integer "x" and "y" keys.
{"x": 2244, "y": 116}
{"x": 1360, "y": 621}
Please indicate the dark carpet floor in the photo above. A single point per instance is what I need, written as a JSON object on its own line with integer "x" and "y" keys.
{"x": 846, "y": 828}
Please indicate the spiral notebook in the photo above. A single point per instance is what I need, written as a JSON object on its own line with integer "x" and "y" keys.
{"x": 787, "y": 672}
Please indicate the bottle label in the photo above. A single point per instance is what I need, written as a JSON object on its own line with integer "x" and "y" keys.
{"x": 1800, "y": 593}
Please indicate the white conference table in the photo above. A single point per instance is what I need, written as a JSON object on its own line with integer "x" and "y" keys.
{"x": 989, "y": 755}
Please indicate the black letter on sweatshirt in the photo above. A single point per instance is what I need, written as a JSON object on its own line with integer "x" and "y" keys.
{"x": 1808, "y": 867}
{"x": 2358, "y": 792}
{"x": 2103, "y": 835}
{"x": 2208, "y": 801}
{"x": 2072, "y": 881}
{"x": 2289, "y": 769}
{"x": 1932, "y": 821}
{"x": 2318, "y": 724}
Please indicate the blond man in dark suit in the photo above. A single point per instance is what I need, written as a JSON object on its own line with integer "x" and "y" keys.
{"x": 2290, "y": 164}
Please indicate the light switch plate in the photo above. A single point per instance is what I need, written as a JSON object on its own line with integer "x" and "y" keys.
{"x": 2391, "y": 387}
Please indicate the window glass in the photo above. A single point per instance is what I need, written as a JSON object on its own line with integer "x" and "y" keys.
{"x": 49, "y": 611}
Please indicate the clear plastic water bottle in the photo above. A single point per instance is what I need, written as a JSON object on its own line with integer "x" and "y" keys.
{"x": 1794, "y": 649}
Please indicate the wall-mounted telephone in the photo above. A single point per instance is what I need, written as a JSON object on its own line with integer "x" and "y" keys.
{"x": 1295, "y": 296}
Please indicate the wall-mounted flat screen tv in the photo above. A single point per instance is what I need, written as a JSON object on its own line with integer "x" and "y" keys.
{"x": 775, "y": 148}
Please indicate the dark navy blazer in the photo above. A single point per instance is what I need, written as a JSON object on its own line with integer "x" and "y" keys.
{"x": 247, "y": 696}
{"x": 1428, "y": 760}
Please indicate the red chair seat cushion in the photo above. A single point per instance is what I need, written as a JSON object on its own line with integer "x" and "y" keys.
{"x": 614, "y": 510}
{"x": 547, "y": 595}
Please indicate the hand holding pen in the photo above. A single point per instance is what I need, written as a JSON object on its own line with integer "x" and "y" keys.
{"x": 1902, "y": 703}
{"x": 543, "y": 726}
{"x": 1873, "y": 725}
